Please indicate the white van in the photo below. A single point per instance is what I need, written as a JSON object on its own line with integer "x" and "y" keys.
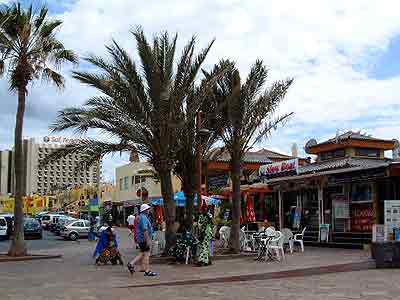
{"x": 3, "y": 228}
{"x": 48, "y": 219}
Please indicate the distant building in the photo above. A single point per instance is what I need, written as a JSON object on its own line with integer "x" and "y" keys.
{"x": 45, "y": 180}
{"x": 137, "y": 182}
{"x": 5, "y": 172}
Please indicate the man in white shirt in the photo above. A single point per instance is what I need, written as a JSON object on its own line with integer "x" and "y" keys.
{"x": 131, "y": 221}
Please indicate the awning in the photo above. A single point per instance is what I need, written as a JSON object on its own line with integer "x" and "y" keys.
{"x": 319, "y": 174}
{"x": 180, "y": 200}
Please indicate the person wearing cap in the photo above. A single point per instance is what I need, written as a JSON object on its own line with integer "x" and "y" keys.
{"x": 144, "y": 232}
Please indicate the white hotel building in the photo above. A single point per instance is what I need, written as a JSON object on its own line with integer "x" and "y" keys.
{"x": 45, "y": 180}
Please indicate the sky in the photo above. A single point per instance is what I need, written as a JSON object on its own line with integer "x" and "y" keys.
{"x": 344, "y": 57}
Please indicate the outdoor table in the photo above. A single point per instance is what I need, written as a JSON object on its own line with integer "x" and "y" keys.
{"x": 262, "y": 240}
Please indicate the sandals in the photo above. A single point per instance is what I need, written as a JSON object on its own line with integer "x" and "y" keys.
{"x": 150, "y": 274}
{"x": 131, "y": 268}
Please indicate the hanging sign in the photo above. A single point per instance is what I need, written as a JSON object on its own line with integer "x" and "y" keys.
{"x": 291, "y": 165}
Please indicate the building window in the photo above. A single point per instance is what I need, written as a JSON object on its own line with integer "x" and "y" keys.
{"x": 333, "y": 154}
{"x": 367, "y": 152}
{"x": 126, "y": 182}
{"x": 137, "y": 179}
{"x": 120, "y": 184}
{"x": 361, "y": 192}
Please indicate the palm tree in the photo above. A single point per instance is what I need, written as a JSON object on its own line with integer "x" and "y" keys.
{"x": 199, "y": 100}
{"x": 29, "y": 50}
{"x": 139, "y": 109}
{"x": 249, "y": 115}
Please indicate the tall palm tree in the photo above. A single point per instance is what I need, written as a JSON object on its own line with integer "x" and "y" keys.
{"x": 248, "y": 112}
{"x": 199, "y": 100}
{"x": 139, "y": 109}
{"x": 29, "y": 50}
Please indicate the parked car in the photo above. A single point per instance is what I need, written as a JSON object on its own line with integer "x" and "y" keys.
{"x": 61, "y": 223}
{"x": 3, "y": 228}
{"x": 48, "y": 219}
{"x": 10, "y": 223}
{"x": 32, "y": 228}
{"x": 76, "y": 230}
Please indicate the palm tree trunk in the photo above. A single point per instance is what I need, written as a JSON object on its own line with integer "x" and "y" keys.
{"x": 189, "y": 194}
{"x": 18, "y": 247}
{"x": 236, "y": 204}
{"x": 169, "y": 207}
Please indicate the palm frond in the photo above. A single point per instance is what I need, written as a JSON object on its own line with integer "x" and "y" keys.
{"x": 49, "y": 75}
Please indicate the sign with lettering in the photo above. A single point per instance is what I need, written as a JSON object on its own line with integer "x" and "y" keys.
{"x": 59, "y": 140}
{"x": 291, "y": 165}
{"x": 392, "y": 218}
{"x": 218, "y": 181}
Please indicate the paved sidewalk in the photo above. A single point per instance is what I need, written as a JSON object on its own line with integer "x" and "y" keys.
{"x": 75, "y": 277}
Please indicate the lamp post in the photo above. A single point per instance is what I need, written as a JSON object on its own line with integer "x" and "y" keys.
{"x": 200, "y": 131}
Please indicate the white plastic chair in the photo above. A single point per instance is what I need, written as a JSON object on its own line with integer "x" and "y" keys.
{"x": 245, "y": 241}
{"x": 288, "y": 238}
{"x": 224, "y": 233}
{"x": 276, "y": 244}
{"x": 298, "y": 238}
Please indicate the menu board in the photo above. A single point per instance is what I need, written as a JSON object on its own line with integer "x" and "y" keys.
{"x": 324, "y": 232}
{"x": 362, "y": 218}
{"x": 392, "y": 217}
{"x": 378, "y": 233}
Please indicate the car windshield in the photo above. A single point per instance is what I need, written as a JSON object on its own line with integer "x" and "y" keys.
{"x": 30, "y": 223}
{"x": 68, "y": 222}
{"x": 46, "y": 218}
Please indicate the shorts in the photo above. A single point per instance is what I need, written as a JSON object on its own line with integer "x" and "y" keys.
{"x": 144, "y": 247}
{"x": 130, "y": 227}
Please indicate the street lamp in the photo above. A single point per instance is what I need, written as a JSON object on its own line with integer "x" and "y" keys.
{"x": 200, "y": 131}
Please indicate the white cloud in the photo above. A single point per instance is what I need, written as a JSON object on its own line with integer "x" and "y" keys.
{"x": 327, "y": 46}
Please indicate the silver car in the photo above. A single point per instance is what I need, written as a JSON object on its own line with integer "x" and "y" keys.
{"x": 75, "y": 230}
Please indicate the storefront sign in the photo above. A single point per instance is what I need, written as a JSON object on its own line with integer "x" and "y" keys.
{"x": 291, "y": 165}
{"x": 392, "y": 217}
{"x": 59, "y": 140}
{"x": 218, "y": 181}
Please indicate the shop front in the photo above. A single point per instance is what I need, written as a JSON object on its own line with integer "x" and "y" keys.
{"x": 343, "y": 193}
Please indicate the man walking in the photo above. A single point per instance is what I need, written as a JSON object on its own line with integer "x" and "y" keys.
{"x": 131, "y": 222}
{"x": 144, "y": 232}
